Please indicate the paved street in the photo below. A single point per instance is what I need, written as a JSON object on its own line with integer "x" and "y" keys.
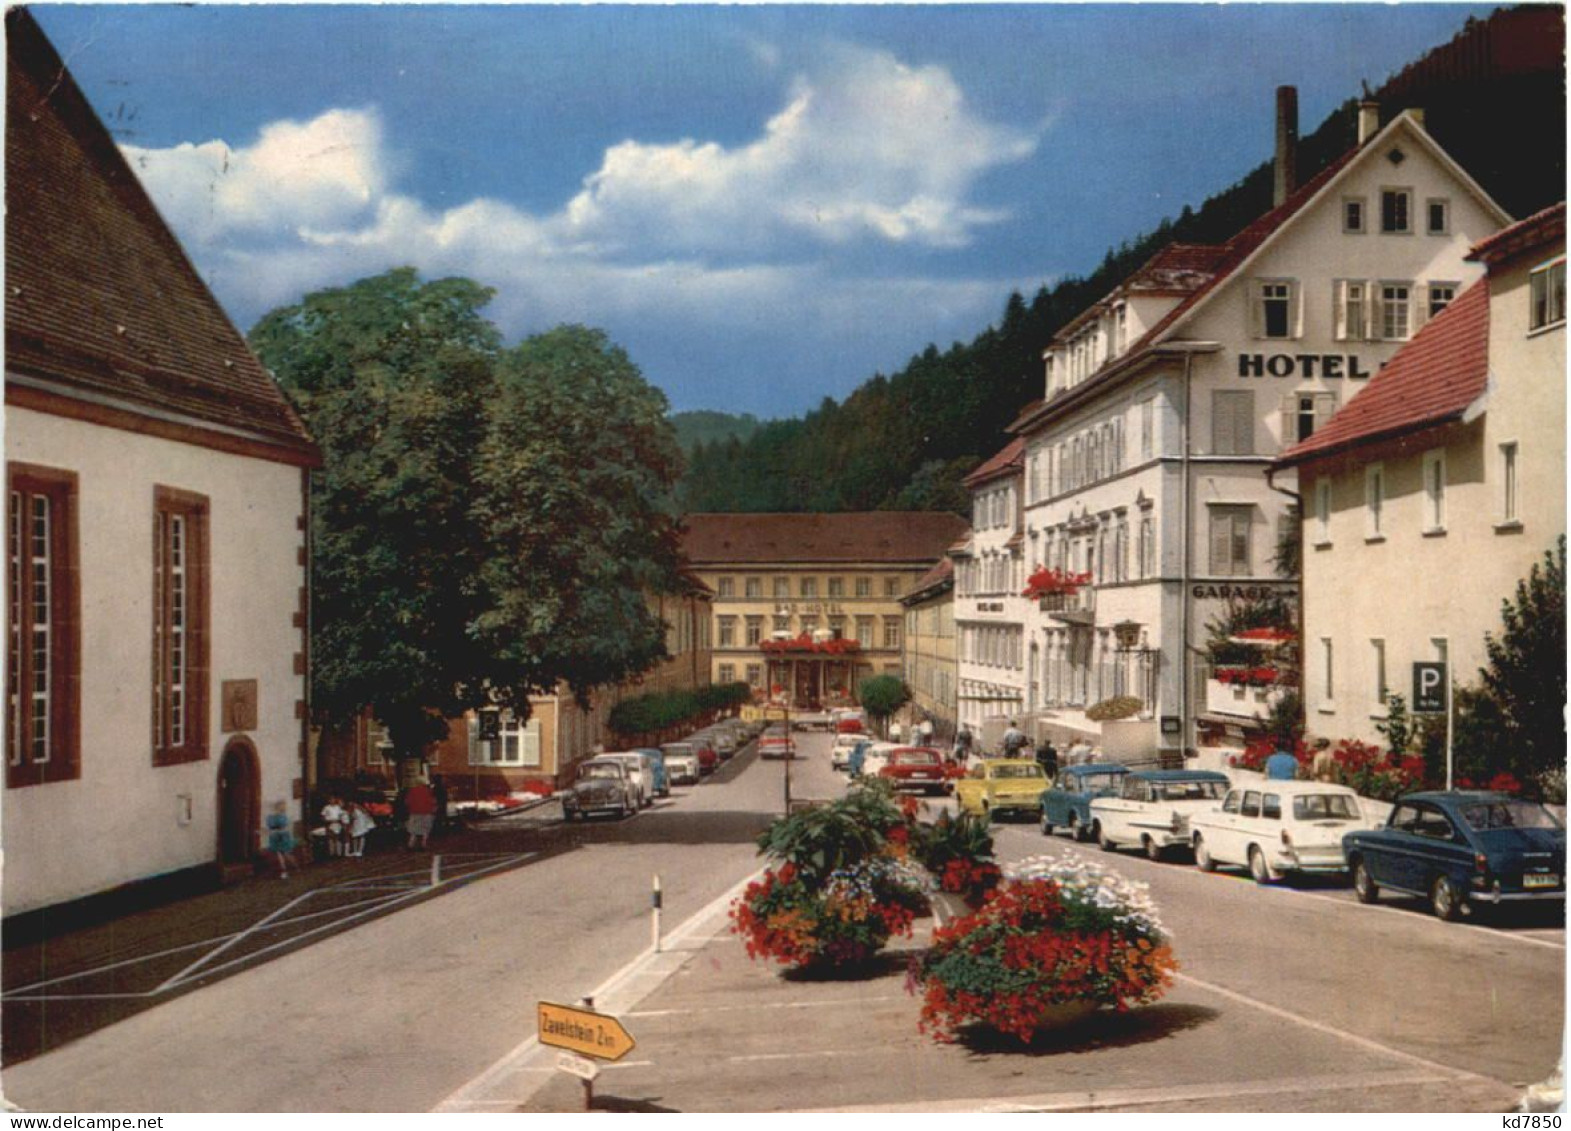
{"x": 1289, "y": 999}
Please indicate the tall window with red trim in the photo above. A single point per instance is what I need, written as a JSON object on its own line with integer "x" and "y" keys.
{"x": 180, "y": 619}
{"x": 43, "y": 627}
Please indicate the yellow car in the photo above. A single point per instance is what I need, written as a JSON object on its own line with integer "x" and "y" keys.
{"x": 1000, "y": 785}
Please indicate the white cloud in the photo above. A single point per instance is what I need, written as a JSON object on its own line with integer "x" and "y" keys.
{"x": 866, "y": 152}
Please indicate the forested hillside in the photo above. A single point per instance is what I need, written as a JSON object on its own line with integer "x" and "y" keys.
{"x": 905, "y": 441}
{"x": 704, "y": 426}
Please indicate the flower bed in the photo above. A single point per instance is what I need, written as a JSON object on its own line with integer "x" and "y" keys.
{"x": 1254, "y": 677}
{"x": 844, "y": 921}
{"x": 1057, "y": 932}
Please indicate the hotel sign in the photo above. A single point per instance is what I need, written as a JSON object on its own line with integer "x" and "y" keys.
{"x": 1309, "y": 366}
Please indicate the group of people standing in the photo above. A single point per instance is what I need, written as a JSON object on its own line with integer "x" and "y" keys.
{"x": 347, "y": 824}
{"x": 1016, "y": 744}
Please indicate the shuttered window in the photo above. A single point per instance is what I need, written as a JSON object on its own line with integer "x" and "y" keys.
{"x": 1233, "y": 422}
{"x": 1230, "y": 526}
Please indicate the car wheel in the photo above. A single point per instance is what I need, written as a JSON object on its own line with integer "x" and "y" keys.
{"x": 987, "y": 812}
{"x": 1077, "y": 831}
{"x": 1047, "y": 826}
{"x": 1154, "y": 851}
{"x": 1203, "y": 858}
{"x": 1258, "y": 868}
{"x": 1444, "y": 900}
{"x": 1364, "y": 885}
{"x": 1101, "y": 838}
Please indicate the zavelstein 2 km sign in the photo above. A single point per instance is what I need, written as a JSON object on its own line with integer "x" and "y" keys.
{"x": 583, "y": 1031}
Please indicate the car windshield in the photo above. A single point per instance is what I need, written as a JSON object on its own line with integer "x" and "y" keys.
{"x": 914, "y": 758}
{"x": 1094, "y": 782}
{"x": 1190, "y": 790}
{"x": 1017, "y": 771}
{"x": 1324, "y": 806}
{"x": 1512, "y": 814}
{"x": 600, "y": 771}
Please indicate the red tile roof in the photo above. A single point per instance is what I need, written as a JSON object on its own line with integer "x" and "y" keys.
{"x": 101, "y": 302}
{"x": 1007, "y": 461}
{"x": 1538, "y": 229}
{"x": 1431, "y": 380}
{"x": 892, "y": 537}
{"x": 934, "y": 581}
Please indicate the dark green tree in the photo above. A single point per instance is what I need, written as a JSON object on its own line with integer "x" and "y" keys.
{"x": 882, "y": 695}
{"x": 1526, "y": 675}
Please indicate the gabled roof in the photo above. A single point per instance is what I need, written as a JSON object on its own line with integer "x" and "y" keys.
{"x": 1175, "y": 270}
{"x": 1238, "y": 252}
{"x": 1432, "y": 380}
{"x": 102, "y": 307}
{"x": 1537, "y": 230}
{"x": 932, "y": 583}
{"x": 1007, "y": 461}
{"x": 892, "y": 537}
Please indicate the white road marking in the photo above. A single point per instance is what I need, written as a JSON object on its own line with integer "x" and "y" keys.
{"x": 516, "y": 1061}
{"x": 1365, "y": 1043}
{"x": 833, "y": 1003}
{"x": 269, "y": 922}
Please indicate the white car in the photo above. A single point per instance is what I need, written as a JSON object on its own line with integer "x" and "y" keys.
{"x": 1153, "y": 809}
{"x": 877, "y": 757}
{"x": 1274, "y": 827}
{"x": 840, "y": 752}
{"x": 681, "y": 763}
{"x": 641, "y": 773}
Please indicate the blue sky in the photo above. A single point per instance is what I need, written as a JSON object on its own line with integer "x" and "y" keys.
{"x": 764, "y": 205}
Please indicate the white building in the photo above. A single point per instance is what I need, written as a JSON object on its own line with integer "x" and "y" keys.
{"x": 990, "y": 613}
{"x": 1437, "y": 489}
{"x": 1165, "y": 403}
{"x": 156, "y": 517}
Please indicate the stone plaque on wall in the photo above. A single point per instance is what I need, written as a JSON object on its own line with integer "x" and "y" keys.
{"x": 239, "y": 699}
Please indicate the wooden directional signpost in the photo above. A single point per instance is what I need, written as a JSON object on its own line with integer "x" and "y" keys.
{"x": 583, "y": 1033}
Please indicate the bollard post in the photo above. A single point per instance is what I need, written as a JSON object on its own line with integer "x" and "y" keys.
{"x": 436, "y": 870}
{"x": 655, "y": 899}
{"x": 589, "y": 1085}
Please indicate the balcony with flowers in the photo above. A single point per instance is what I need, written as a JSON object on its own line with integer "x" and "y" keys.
{"x": 1252, "y": 665}
{"x": 1062, "y": 594}
{"x": 807, "y": 645}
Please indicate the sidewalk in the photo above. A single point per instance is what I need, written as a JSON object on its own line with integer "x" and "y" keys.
{"x": 716, "y": 1031}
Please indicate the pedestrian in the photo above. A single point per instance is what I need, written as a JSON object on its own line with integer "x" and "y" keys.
{"x": 963, "y": 745}
{"x": 1323, "y": 767}
{"x": 360, "y": 823}
{"x": 420, "y": 803}
{"x": 335, "y": 819}
{"x": 1047, "y": 757}
{"x": 858, "y": 757}
{"x": 439, "y": 788}
{"x": 924, "y": 732}
{"x": 895, "y": 731}
{"x": 1014, "y": 739}
{"x": 1281, "y": 766}
{"x": 280, "y": 841}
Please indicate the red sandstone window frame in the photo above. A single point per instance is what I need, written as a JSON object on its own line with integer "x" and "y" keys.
{"x": 27, "y": 483}
{"x": 180, "y": 628}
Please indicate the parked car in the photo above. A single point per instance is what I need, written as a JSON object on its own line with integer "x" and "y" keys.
{"x": 662, "y": 775}
{"x": 723, "y": 739}
{"x": 1275, "y": 827}
{"x": 840, "y": 752}
{"x": 1459, "y": 848}
{"x": 1002, "y": 785}
{"x": 916, "y": 767}
{"x": 640, "y": 770}
{"x": 1153, "y": 808}
{"x": 1066, "y": 804}
{"x": 877, "y": 756}
{"x": 681, "y": 760}
{"x": 604, "y": 785}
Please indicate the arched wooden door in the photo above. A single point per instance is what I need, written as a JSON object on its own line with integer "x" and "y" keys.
{"x": 239, "y": 802}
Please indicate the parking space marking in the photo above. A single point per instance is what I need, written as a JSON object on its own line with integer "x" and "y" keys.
{"x": 473, "y": 864}
{"x": 1366, "y": 1043}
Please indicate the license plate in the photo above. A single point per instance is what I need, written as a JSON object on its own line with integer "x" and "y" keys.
{"x": 1540, "y": 881}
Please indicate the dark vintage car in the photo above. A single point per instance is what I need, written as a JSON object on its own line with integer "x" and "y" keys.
{"x": 603, "y": 786}
{"x": 1066, "y": 804}
{"x": 1461, "y": 848}
{"x": 916, "y": 767}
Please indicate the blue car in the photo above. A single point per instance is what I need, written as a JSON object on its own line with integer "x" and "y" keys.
{"x": 657, "y": 760}
{"x": 1067, "y": 802}
{"x": 1461, "y": 848}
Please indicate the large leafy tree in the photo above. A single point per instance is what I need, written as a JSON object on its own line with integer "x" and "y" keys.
{"x": 1526, "y": 676}
{"x": 487, "y": 522}
{"x": 574, "y": 480}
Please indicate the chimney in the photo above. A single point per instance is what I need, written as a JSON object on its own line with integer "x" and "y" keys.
{"x": 1286, "y": 144}
{"x": 1368, "y": 120}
